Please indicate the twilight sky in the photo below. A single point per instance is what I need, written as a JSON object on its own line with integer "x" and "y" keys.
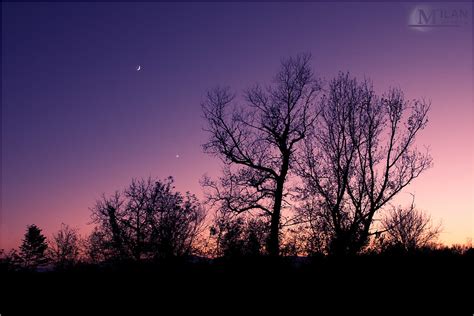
{"x": 78, "y": 120}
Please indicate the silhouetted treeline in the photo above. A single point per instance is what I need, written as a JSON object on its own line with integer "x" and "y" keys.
{"x": 310, "y": 167}
{"x": 300, "y": 218}
{"x": 408, "y": 233}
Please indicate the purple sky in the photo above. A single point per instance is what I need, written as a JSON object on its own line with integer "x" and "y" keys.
{"x": 79, "y": 120}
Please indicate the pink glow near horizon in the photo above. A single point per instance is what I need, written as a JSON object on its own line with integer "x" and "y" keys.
{"x": 136, "y": 123}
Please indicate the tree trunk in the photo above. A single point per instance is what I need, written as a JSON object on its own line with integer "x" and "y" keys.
{"x": 274, "y": 239}
{"x": 116, "y": 233}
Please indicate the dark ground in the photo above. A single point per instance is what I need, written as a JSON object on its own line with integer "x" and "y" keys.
{"x": 371, "y": 285}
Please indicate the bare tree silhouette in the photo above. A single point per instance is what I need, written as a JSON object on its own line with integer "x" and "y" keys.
{"x": 409, "y": 229}
{"x": 64, "y": 247}
{"x": 148, "y": 219}
{"x": 96, "y": 247}
{"x": 240, "y": 236}
{"x": 9, "y": 261}
{"x": 257, "y": 141}
{"x": 107, "y": 213}
{"x": 361, "y": 153}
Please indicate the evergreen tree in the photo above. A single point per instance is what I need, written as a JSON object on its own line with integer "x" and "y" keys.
{"x": 33, "y": 248}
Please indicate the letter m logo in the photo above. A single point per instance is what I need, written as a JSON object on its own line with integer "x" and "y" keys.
{"x": 425, "y": 18}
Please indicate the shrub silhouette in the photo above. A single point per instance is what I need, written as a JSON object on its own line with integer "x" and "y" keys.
{"x": 148, "y": 220}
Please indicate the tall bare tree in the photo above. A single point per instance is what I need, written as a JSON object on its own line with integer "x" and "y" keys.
{"x": 360, "y": 155}
{"x": 257, "y": 140}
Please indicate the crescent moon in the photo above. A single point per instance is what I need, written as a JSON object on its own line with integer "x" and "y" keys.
{"x": 139, "y": 67}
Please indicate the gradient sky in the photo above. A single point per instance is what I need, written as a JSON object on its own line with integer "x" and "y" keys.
{"x": 78, "y": 120}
